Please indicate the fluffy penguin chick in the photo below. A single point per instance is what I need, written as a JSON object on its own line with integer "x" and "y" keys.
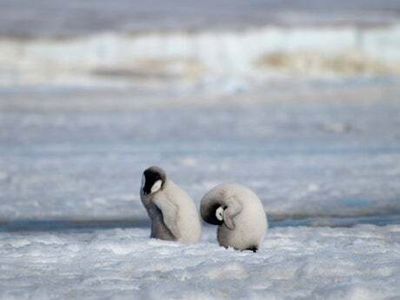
{"x": 240, "y": 216}
{"x": 172, "y": 212}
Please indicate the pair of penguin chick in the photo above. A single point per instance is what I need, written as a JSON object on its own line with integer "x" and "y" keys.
{"x": 236, "y": 210}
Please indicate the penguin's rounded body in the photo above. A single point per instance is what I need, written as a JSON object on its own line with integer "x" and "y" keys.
{"x": 172, "y": 212}
{"x": 240, "y": 216}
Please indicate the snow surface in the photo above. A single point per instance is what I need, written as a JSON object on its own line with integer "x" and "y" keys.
{"x": 194, "y": 56}
{"x": 296, "y": 263}
{"x": 320, "y": 153}
{"x": 80, "y": 153}
{"x": 306, "y": 114}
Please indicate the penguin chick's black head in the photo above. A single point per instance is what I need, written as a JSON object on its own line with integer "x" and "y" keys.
{"x": 153, "y": 180}
{"x": 209, "y": 214}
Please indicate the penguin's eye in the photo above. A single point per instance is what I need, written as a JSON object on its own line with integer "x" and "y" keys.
{"x": 156, "y": 186}
{"x": 219, "y": 213}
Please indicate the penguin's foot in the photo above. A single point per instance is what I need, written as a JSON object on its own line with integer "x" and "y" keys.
{"x": 253, "y": 248}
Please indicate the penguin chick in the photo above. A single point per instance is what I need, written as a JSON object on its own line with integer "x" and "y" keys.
{"x": 172, "y": 212}
{"x": 240, "y": 216}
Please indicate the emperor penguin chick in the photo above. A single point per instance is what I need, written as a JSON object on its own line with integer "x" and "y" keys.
{"x": 172, "y": 212}
{"x": 240, "y": 216}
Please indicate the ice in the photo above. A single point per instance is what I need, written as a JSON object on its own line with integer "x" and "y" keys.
{"x": 196, "y": 56}
{"x": 299, "y": 105}
{"x": 322, "y": 153}
{"x": 334, "y": 154}
{"x": 65, "y": 19}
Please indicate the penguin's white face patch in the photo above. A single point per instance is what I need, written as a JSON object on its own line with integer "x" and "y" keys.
{"x": 156, "y": 186}
{"x": 219, "y": 213}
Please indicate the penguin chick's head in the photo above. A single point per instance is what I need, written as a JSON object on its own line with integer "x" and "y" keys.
{"x": 214, "y": 214}
{"x": 153, "y": 180}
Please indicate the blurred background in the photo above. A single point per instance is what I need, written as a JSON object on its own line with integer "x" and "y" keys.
{"x": 299, "y": 100}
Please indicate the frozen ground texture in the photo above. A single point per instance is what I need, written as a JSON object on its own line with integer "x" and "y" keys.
{"x": 296, "y": 262}
{"x": 308, "y": 149}
{"x": 299, "y": 100}
{"x": 190, "y": 41}
{"x": 316, "y": 152}
{"x": 193, "y": 57}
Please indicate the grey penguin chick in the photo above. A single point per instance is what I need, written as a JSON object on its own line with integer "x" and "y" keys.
{"x": 240, "y": 216}
{"x": 172, "y": 212}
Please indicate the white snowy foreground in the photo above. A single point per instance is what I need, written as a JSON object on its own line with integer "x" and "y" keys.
{"x": 295, "y": 263}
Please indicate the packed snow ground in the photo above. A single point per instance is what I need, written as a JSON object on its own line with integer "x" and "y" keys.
{"x": 295, "y": 263}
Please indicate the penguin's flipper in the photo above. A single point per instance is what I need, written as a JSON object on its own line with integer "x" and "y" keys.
{"x": 169, "y": 211}
{"x": 233, "y": 209}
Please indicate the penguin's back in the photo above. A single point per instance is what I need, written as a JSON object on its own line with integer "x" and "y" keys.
{"x": 187, "y": 217}
{"x": 250, "y": 224}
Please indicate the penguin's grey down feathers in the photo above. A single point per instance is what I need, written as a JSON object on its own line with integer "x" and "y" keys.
{"x": 244, "y": 221}
{"x": 173, "y": 214}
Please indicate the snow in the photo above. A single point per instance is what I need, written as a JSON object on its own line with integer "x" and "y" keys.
{"x": 194, "y": 56}
{"x": 323, "y": 156}
{"x": 306, "y": 114}
{"x": 329, "y": 155}
{"x": 297, "y": 101}
{"x": 296, "y": 262}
